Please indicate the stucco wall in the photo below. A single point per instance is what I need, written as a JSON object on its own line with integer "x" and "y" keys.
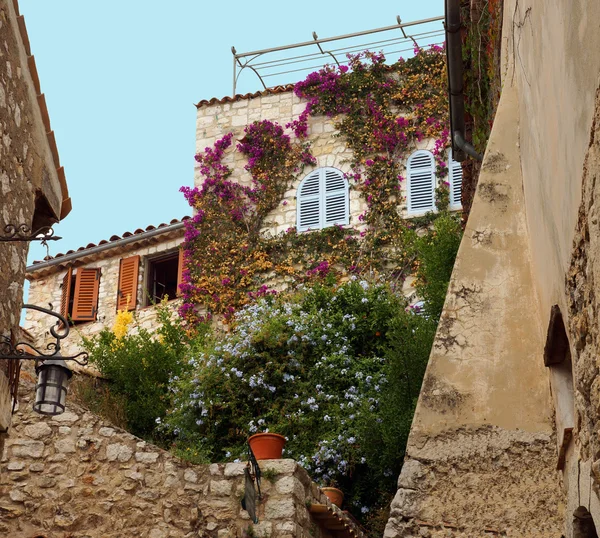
{"x": 481, "y": 452}
{"x": 47, "y": 290}
{"x": 76, "y": 475}
{"x": 26, "y": 166}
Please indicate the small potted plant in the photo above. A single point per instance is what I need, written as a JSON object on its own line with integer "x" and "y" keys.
{"x": 334, "y": 494}
{"x": 267, "y": 446}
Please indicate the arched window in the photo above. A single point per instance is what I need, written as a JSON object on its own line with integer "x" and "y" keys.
{"x": 455, "y": 180}
{"x": 421, "y": 182}
{"x": 322, "y": 200}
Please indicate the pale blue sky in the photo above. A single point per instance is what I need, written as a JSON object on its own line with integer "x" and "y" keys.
{"x": 121, "y": 79}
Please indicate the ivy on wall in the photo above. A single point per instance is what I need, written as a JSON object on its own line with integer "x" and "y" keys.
{"x": 381, "y": 111}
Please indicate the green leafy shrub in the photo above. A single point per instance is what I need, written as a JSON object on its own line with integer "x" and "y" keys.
{"x": 335, "y": 368}
{"x": 138, "y": 368}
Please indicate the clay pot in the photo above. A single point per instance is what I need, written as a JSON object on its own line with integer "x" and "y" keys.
{"x": 335, "y": 495}
{"x": 267, "y": 446}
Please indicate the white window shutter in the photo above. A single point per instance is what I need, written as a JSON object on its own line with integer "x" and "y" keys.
{"x": 455, "y": 180}
{"x": 309, "y": 202}
{"x": 323, "y": 200}
{"x": 336, "y": 197}
{"x": 421, "y": 182}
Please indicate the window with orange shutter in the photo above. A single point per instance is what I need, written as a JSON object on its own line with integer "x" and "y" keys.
{"x": 67, "y": 294}
{"x": 85, "y": 298}
{"x": 128, "y": 283}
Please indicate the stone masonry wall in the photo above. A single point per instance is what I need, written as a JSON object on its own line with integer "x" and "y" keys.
{"x": 25, "y": 165}
{"x": 582, "y": 475}
{"x": 75, "y": 475}
{"x": 214, "y": 121}
{"x": 47, "y": 290}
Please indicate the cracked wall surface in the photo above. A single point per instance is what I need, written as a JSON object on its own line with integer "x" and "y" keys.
{"x": 481, "y": 456}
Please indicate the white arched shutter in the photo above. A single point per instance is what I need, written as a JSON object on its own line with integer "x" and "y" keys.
{"x": 336, "y": 197}
{"x": 309, "y": 202}
{"x": 421, "y": 182}
{"x": 455, "y": 179}
{"x": 322, "y": 200}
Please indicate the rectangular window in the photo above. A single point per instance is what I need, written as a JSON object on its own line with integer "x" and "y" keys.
{"x": 163, "y": 277}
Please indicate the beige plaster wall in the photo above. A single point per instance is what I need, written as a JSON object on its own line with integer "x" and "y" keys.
{"x": 481, "y": 452}
{"x": 551, "y": 54}
{"x": 47, "y": 290}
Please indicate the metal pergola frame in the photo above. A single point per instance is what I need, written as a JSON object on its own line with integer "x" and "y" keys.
{"x": 247, "y": 60}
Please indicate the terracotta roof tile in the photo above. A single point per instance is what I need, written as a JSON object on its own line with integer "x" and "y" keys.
{"x": 114, "y": 238}
{"x": 240, "y": 97}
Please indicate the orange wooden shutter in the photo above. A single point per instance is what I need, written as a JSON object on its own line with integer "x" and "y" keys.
{"x": 180, "y": 268}
{"x": 66, "y": 293}
{"x": 128, "y": 280}
{"x": 85, "y": 302}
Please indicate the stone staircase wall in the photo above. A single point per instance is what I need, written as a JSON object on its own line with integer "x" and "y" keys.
{"x": 75, "y": 475}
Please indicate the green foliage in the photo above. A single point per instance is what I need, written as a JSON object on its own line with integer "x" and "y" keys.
{"x": 335, "y": 368}
{"x": 437, "y": 251}
{"x": 139, "y": 367}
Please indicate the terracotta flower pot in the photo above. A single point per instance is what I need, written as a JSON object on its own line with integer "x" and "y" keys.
{"x": 335, "y": 495}
{"x": 267, "y": 446}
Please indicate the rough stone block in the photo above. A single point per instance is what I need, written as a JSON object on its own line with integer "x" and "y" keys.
{"x": 37, "y": 431}
{"x": 234, "y": 469}
{"x": 146, "y": 457}
{"x": 280, "y": 509}
{"x": 221, "y": 488}
{"x": 27, "y": 449}
{"x": 118, "y": 452}
{"x": 283, "y": 466}
{"x": 65, "y": 446}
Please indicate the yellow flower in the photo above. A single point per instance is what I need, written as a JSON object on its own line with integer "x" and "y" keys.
{"x": 123, "y": 319}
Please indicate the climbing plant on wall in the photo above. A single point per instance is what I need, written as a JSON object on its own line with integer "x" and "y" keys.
{"x": 381, "y": 111}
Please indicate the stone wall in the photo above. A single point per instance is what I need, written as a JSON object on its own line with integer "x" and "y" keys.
{"x": 47, "y": 290}
{"x": 582, "y": 472}
{"x": 77, "y": 475}
{"x": 329, "y": 149}
{"x": 28, "y": 171}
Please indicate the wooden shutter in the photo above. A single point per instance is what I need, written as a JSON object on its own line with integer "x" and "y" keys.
{"x": 128, "y": 283}
{"x": 455, "y": 180}
{"x": 421, "y": 182}
{"x": 180, "y": 268}
{"x": 66, "y": 293}
{"x": 309, "y": 202}
{"x": 85, "y": 301}
{"x": 336, "y": 197}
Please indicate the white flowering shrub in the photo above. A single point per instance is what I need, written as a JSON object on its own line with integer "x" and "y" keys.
{"x": 335, "y": 369}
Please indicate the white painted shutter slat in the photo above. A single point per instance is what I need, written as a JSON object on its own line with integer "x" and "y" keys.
{"x": 421, "y": 182}
{"x": 323, "y": 200}
{"x": 455, "y": 180}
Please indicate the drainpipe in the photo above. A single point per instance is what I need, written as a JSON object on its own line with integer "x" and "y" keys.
{"x": 460, "y": 147}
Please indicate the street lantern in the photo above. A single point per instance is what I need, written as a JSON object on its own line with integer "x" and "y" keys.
{"x": 51, "y": 389}
{"x": 52, "y": 370}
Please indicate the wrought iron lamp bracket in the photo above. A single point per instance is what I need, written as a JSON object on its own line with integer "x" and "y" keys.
{"x": 20, "y": 350}
{"x": 23, "y": 232}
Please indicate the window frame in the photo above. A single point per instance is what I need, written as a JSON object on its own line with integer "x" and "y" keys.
{"x": 322, "y": 195}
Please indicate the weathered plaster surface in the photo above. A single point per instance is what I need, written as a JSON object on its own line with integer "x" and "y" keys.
{"x": 481, "y": 453}
{"x": 76, "y": 475}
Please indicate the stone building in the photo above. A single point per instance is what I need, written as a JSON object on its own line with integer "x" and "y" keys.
{"x": 130, "y": 272}
{"x": 33, "y": 190}
{"x": 215, "y": 117}
{"x": 91, "y": 284}
{"x": 505, "y": 440}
